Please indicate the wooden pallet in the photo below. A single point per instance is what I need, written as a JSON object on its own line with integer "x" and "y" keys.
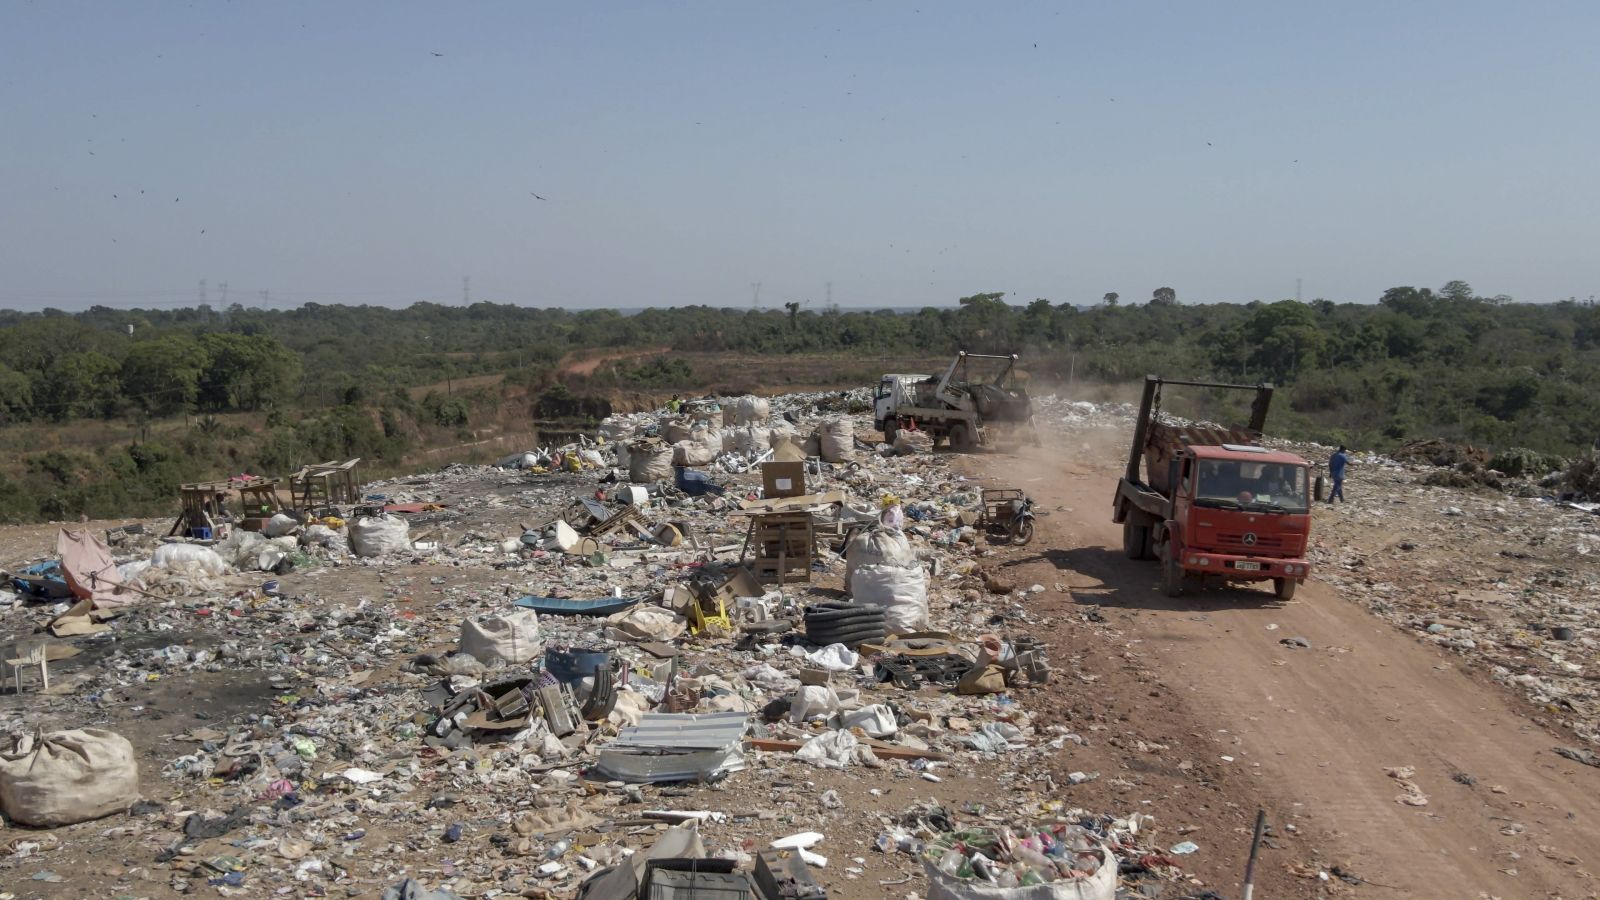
{"x": 783, "y": 545}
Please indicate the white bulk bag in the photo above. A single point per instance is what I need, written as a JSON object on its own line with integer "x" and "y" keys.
{"x": 709, "y": 438}
{"x": 280, "y": 525}
{"x": 508, "y": 638}
{"x": 380, "y": 535}
{"x": 690, "y": 453}
{"x": 752, "y": 440}
{"x": 66, "y": 777}
{"x": 781, "y": 432}
{"x": 837, "y": 440}
{"x": 878, "y": 546}
{"x": 902, "y": 591}
{"x": 649, "y": 461}
{"x": 752, "y": 410}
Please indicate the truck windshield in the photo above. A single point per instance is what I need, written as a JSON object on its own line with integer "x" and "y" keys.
{"x": 1269, "y": 487}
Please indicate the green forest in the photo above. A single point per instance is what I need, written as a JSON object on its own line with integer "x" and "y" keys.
{"x": 330, "y": 381}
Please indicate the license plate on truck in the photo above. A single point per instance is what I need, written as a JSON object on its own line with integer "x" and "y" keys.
{"x": 1245, "y": 566}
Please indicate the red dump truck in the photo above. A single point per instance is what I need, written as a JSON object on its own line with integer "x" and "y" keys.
{"x": 1214, "y": 505}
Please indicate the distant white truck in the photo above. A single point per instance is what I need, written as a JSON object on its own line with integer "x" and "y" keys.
{"x": 952, "y": 406}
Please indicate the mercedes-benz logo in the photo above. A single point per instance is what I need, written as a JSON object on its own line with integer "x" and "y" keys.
{"x": 1250, "y": 539}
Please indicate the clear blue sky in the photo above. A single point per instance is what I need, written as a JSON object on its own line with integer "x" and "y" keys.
{"x": 909, "y": 153}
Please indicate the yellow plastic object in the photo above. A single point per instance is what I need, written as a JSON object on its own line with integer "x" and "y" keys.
{"x": 699, "y": 622}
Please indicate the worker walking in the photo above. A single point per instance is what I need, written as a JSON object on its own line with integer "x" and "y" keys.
{"x": 1336, "y": 464}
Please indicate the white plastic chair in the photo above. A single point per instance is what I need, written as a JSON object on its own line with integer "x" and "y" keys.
{"x": 29, "y": 653}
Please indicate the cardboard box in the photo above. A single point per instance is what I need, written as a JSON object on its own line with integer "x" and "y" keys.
{"x": 783, "y": 479}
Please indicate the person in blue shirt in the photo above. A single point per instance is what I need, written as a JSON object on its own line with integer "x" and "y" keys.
{"x": 1336, "y": 464}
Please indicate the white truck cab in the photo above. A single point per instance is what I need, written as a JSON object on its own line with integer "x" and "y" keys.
{"x": 894, "y": 392}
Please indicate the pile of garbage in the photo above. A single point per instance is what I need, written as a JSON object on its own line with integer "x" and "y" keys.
{"x": 1511, "y": 583}
{"x": 573, "y": 673}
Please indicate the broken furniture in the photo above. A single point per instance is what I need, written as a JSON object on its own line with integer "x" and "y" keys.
{"x": 326, "y": 484}
{"x": 712, "y": 590}
{"x": 594, "y": 519}
{"x": 205, "y": 504}
{"x": 784, "y": 543}
{"x": 26, "y": 654}
{"x": 258, "y": 497}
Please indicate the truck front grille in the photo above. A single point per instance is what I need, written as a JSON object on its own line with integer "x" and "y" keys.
{"x": 1262, "y": 542}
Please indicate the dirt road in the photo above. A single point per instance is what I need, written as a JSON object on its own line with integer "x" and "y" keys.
{"x": 1320, "y": 729}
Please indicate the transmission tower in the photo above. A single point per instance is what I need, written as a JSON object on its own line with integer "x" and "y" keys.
{"x": 466, "y": 290}
{"x": 202, "y": 292}
{"x": 224, "y": 288}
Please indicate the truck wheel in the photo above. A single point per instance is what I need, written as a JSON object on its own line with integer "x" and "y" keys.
{"x": 1172, "y": 576}
{"x": 1284, "y": 588}
{"x": 1135, "y": 540}
{"x": 960, "y": 438}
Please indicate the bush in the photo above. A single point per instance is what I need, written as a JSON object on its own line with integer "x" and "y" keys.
{"x": 1520, "y": 461}
{"x": 660, "y": 372}
{"x": 445, "y": 412}
{"x": 1582, "y": 477}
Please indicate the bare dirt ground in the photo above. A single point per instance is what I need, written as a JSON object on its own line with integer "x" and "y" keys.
{"x": 1311, "y": 734}
{"x": 585, "y": 365}
{"x": 1191, "y": 711}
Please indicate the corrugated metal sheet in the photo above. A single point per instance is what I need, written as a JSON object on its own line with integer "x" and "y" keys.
{"x": 676, "y": 747}
{"x": 684, "y": 731}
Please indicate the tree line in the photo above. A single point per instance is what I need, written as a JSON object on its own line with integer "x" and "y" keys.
{"x": 331, "y": 380}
